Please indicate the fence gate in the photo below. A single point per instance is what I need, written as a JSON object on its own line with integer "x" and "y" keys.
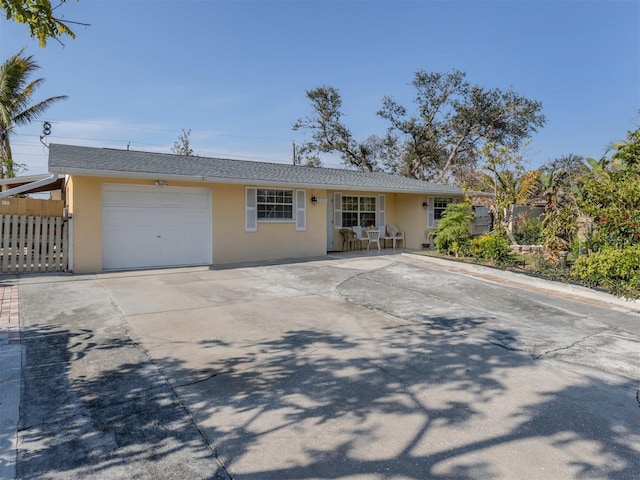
{"x": 33, "y": 244}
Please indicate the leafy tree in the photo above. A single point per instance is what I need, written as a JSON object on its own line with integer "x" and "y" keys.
{"x": 550, "y": 188}
{"x": 561, "y": 185}
{"x": 330, "y": 135}
{"x": 182, "y": 146}
{"x": 15, "y": 103}
{"x": 561, "y": 213}
{"x": 612, "y": 197}
{"x": 39, "y": 16}
{"x": 453, "y": 121}
{"x": 505, "y": 175}
{"x": 452, "y": 234}
{"x": 568, "y": 170}
{"x": 610, "y": 194}
{"x": 628, "y": 151}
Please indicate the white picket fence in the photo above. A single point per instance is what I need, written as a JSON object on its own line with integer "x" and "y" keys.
{"x": 33, "y": 244}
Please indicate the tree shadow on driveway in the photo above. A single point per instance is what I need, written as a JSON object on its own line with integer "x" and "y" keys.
{"x": 96, "y": 407}
{"x": 420, "y": 404}
{"x": 410, "y": 395}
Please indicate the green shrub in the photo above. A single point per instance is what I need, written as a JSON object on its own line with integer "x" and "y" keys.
{"x": 615, "y": 269}
{"x": 491, "y": 247}
{"x": 528, "y": 232}
{"x": 452, "y": 236}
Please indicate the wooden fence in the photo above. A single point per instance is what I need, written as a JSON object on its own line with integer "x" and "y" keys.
{"x": 33, "y": 244}
{"x": 31, "y": 206}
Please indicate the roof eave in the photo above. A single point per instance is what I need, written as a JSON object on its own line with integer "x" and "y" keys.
{"x": 239, "y": 181}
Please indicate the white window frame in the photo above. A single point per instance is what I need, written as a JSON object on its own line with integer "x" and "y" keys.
{"x": 432, "y": 208}
{"x": 440, "y": 209}
{"x": 291, "y": 219}
{"x": 358, "y": 211}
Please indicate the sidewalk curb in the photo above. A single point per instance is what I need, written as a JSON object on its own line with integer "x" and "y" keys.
{"x": 528, "y": 282}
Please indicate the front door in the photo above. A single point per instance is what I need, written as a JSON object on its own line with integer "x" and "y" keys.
{"x": 330, "y": 229}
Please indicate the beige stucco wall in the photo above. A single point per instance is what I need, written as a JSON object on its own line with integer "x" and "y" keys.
{"x": 230, "y": 242}
{"x": 272, "y": 240}
{"x": 84, "y": 196}
{"x": 411, "y": 218}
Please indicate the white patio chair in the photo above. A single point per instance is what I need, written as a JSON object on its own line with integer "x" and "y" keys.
{"x": 360, "y": 237}
{"x": 374, "y": 237}
{"x": 395, "y": 235}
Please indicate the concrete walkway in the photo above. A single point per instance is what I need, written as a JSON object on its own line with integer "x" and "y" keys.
{"x": 11, "y": 363}
{"x": 355, "y": 367}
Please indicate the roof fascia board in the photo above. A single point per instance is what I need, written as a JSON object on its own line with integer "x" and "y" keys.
{"x": 241, "y": 181}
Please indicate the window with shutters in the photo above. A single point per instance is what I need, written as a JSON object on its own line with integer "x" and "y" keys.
{"x": 273, "y": 204}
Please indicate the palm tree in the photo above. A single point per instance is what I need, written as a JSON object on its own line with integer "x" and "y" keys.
{"x": 15, "y": 108}
{"x": 510, "y": 188}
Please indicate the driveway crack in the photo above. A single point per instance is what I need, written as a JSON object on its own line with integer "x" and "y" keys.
{"x": 574, "y": 344}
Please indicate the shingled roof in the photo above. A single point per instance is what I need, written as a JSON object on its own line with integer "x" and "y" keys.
{"x": 75, "y": 160}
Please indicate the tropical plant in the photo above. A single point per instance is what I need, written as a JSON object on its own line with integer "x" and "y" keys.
{"x": 559, "y": 229}
{"x": 612, "y": 197}
{"x": 527, "y": 230}
{"x": 563, "y": 221}
{"x": 452, "y": 235}
{"x": 503, "y": 174}
{"x": 15, "y": 104}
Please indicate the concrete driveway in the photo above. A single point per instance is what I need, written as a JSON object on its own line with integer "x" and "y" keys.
{"x": 376, "y": 367}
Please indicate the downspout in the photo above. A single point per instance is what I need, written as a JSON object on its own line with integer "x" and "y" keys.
{"x": 24, "y": 188}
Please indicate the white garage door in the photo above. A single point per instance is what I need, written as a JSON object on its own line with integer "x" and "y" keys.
{"x": 149, "y": 226}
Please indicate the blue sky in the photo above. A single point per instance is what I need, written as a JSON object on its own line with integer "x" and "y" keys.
{"x": 236, "y": 72}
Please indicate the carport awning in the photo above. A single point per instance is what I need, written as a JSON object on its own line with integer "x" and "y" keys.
{"x": 8, "y": 184}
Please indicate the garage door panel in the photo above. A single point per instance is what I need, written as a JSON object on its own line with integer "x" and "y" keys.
{"x": 138, "y": 251}
{"x": 127, "y": 216}
{"x": 190, "y": 246}
{"x": 123, "y": 195}
{"x": 163, "y": 226}
{"x": 142, "y": 199}
{"x": 195, "y": 238}
{"x": 171, "y": 216}
{"x": 192, "y": 217}
{"x": 182, "y": 200}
